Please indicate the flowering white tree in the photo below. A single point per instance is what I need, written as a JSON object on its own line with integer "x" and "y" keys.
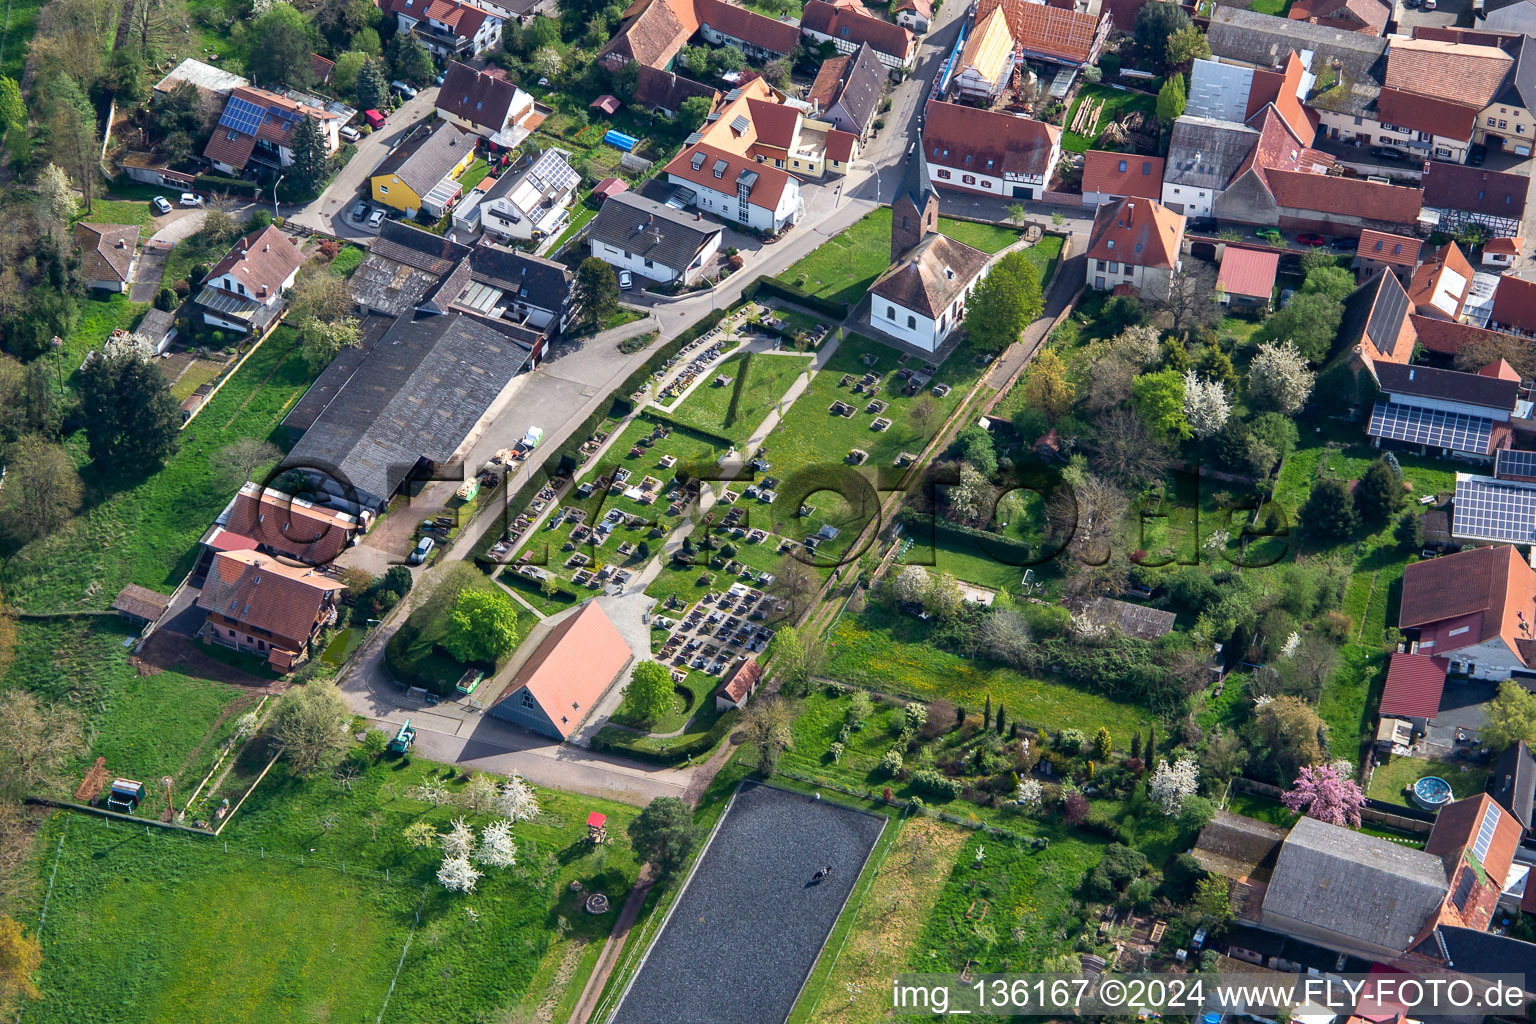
{"x": 1278, "y": 376}
{"x": 480, "y": 795}
{"x": 457, "y": 874}
{"x": 1206, "y": 405}
{"x": 458, "y": 841}
{"x": 420, "y": 834}
{"x": 430, "y": 791}
{"x": 496, "y": 847}
{"x": 1291, "y": 646}
{"x": 1172, "y": 783}
{"x": 1030, "y": 795}
{"x": 1142, "y": 345}
{"x": 912, "y": 585}
{"x": 517, "y": 800}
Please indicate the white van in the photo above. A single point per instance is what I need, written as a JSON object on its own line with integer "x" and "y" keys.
{"x": 350, "y": 134}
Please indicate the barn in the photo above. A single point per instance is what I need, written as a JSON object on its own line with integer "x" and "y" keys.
{"x": 566, "y": 675}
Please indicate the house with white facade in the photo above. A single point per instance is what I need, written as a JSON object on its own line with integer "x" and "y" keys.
{"x": 847, "y": 29}
{"x": 257, "y": 126}
{"x": 920, "y": 298}
{"x": 989, "y": 152}
{"x": 244, "y": 290}
{"x": 449, "y": 29}
{"x": 985, "y": 65}
{"x": 654, "y": 240}
{"x": 1135, "y": 246}
{"x": 1204, "y": 157}
{"x": 738, "y": 188}
{"x": 533, "y": 203}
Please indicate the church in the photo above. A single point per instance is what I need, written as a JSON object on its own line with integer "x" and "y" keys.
{"x": 920, "y": 298}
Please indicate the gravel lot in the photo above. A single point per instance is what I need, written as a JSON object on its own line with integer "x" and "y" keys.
{"x": 748, "y": 928}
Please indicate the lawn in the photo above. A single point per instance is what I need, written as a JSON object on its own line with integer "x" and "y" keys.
{"x": 473, "y": 174}
{"x": 693, "y": 705}
{"x": 887, "y": 651}
{"x": 19, "y": 24}
{"x": 842, "y": 268}
{"x": 197, "y": 373}
{"x": 414, "y": 654}
{"x": 117, "y": 211}
{"x": 1390, "y": 781}
{"x": 329, "y": 938}
{"x": 1117, "y": 103}
{"x": 347, "y": 260}
{"x": 758, "y": 382}
{"x": 99, "y": 317}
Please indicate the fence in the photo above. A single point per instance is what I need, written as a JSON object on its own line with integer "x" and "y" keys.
{"x": 1398, "y": 819}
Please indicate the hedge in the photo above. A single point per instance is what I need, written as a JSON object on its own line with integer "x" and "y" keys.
{"x": 697, "y": 433}
{"x": 667, "y": 351}
{"x": 627, "y": 745}
{"x": 783, "y": 290}
{"x": 989, "y": 543}
{"x": 741, "y": 385}
{"x": 512, "y": 578}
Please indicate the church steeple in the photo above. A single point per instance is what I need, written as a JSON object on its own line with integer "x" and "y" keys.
{"x": 915, "y": 210}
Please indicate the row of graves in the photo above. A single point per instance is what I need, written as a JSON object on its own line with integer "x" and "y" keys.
{"x": 718, "y": 631}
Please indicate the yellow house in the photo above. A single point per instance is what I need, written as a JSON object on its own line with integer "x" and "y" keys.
{"x": 422, "y": 171}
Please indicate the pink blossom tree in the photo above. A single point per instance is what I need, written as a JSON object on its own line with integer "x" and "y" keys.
{"x": 1327, "y": 793}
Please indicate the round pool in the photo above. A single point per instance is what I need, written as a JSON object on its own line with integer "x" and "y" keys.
{"x": 1431, "y": 792}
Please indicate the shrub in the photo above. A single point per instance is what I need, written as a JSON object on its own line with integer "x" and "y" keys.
{"x": 933, "y": 784}
{"x": 1070, "y": 741}
{"x": 166, "y": 300}
{"x": 836, "y": 750}
{"x": 916, "y": 715}
{"x": 890, "y": 762}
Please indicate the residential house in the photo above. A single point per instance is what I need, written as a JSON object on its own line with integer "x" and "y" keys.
{"x": 1108, "y": 175}
{"x": 1513, "y": 785}
{"x": 258, "y": 125}
{"x": 486, "y": 103}
{"x": 1067, "y": 37}
{"x": 790, "y": 141}
{"x": 449, "y": 29}
{"x": 1204, "y": 157}
{"x": 759, "y": 38}
{"x": 1230, "y": 92}
{"x": 848, "y": 29}
{"x": 1432, "y": 94}
{"x": 654, "y": 240}
{"x": 260, "y": 605}
{"x": 989, "y": 152}
{"x": 920, "y": 298}
{"x": 421, "y": 173}
{"x": 1135, "y": 246}
{"x": 1445, "y": 412}
{"x": 277, "y": 523}
{"x": 916, "y": 15}
{"x": 1381, "y": 250}
{"x": 985, "y": 65}
{"x": 323, "y": 68}
{"x": 1376, "y": 327}
{"x": 415, "y": 402}
{"x": 739, "y": 688}
{"x": 663, "y": 92}
{"x": 244, "y": 290}
{"x": 737, "y": 188}
{"x": 532, "y": 203}
{"x": 1509, "y": 119}
{"x": 1516, "y": 17}
{"x": 109, "y": 253}
{"x": 1514, "y": 306}
{"x": 1414, "y": 686}
{"x": 1368, "y": 17}
{"x": 1247, "y": 277}
{"x": 847, "y": 90}
{"x": 1502, "y": 252}
{"x": 566, "y": 675}
{"x": 511, "y": 286}
{"x": 1461, "y": 195}
{"x": 1441, "y": 284}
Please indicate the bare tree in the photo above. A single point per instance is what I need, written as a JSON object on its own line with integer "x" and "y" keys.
{"x": 1191, "y": 302}
{"x": 42, "y": 489}
{"x": 796, "y": 583}
{"x": 1109, "y": 385}
{"x": 1126, "y": 451}
{"x": 767, "y": 727}
{"x": 1090, "y": 513}
{"x": 925, "y": 413}
{"x": 1005, "y": 636}
{"x": 156, "y": 23}
{"x": 235, "y": 463}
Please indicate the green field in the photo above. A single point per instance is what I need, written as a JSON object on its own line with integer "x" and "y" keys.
{"x": 1117, "y": 104}
{"x": 253, "y": 934}
{"x": 118, "y": 211}
{"x": 842, "y": 268}
{"x": 758, "y": 381}
{"x": 20, "y": 22}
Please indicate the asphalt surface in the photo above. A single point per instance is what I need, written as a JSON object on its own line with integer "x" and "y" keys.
{"x": 748, "y": 927}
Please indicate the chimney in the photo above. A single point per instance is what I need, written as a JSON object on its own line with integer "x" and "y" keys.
{"x": 266, "y": 247}
{"x": 697, "y": 215}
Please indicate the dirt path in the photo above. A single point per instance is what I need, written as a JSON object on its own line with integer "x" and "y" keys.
{"x": 610, "y": 955}
{"x": 166, "y": 650}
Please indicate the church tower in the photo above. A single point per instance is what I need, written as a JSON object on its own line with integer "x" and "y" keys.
{"x": 915, "y": 210}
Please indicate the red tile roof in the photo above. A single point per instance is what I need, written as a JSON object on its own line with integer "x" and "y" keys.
{"x": 775, "y": 123}
{"x": 1248, "y": 272}
{"x": 1456, "y": 832}
{"x": 856, "y": 27}
{"x": 106, "y": 251}
{"x": 1383, "y": 247}
{"x": 1368, "y": 17}
{"x": 1122, "y": 174}
{"x": 607, "y": 103}
{"x": 1503, "y": 246}
{"x": 1487, "y": 589}
{"x": 1430, "y": 114}
{"x": 830, "y": 75}
{"x": 1047, "y": 31}
{"x": 743, "y": 681}
{"x": 986, "y": 141}
{"x": 227, "y": 146}
{"x": 261, "y": 260}
{"x": 1474, "y": 190}
{"x": 771, "y": 181}
{"x": 1514, "y": 304}
{"x": 323, "y": 68}
{"x": 656, "y": 31}
{"x": 749, "y": 26}
{"x": 1414, "y": 685}
{"x": 290, "y": 526}
{"x": 1447, "y": 337}
{"x": 1346, "y": 197}
{"x": 1140, "y": 232}
{"x": 1442, "y": 283}
{"x": 573, "y": 666}
{"x": 256, "y": 590}
{"x": 610, "y": 187}
{"x": 840, "y": 145}
{"x": 1451, "y": 71}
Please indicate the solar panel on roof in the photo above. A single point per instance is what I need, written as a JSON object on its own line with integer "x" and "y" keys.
{"x": 1398, "y": 421}
{"x": 242, "y": 115}
{"x": 1492, "y": 510}
{"x": 1511, "y": 463}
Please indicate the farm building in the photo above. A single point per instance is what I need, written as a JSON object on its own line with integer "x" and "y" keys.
{"x": 566, "y": 675}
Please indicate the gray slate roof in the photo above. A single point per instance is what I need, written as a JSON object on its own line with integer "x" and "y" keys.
{"x": 417, "y": 248}
{"x": 1236, "y": 846}
{"x": 1513, "y": 783}
{"x": 863, "y": 82}
{"x": 533, "y": 279}
{"x": 1206, "y": 153}
{"x": 416, "y": 395}
{"x": 426, "y": 156}
{"x": 1355, "y": 885}
{"x": 387, "y": 286}
{"x": 1264, "y": 40}
{"x": 650, "y": 229}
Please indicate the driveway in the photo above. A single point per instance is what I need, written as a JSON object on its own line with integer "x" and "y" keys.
{"x": 327, "y": 212}
{"x": 150, "y": 271}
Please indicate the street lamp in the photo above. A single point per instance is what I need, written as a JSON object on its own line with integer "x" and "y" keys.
{"x": 58, "y": 365}
{"x": 279, "y": 181}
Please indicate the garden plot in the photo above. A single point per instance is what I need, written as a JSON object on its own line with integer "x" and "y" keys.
{"x": 747, "y": 929}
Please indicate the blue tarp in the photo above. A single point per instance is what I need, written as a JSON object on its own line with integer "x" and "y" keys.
{"x": 619, "y": 139}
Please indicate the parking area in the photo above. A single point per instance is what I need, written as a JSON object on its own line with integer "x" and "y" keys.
{"x": 1410, "y": 14}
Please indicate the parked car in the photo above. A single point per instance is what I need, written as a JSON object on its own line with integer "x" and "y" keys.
{"x": 360, "y": 212}
{"x": 403, "y": 89}
{"x": 1388, "y": 153}
{"x": 161, "y": 204}
{"x": 350, "y": 134}
{"x": 191, "y": 199}
{"x": 1269, "y": 235}
{"x": 438, "y": 80}
{"x": 421, "y": 551}
{"x": 1430, "y": 5}
{"x": 1476, "y": 154}
{"x": 374, "y": 118}
{"x": 626, "y": 280}
{"x": 1311, "y": 238}
{"x": 1344, "y": 244}
{"x": 376, "y": 219}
